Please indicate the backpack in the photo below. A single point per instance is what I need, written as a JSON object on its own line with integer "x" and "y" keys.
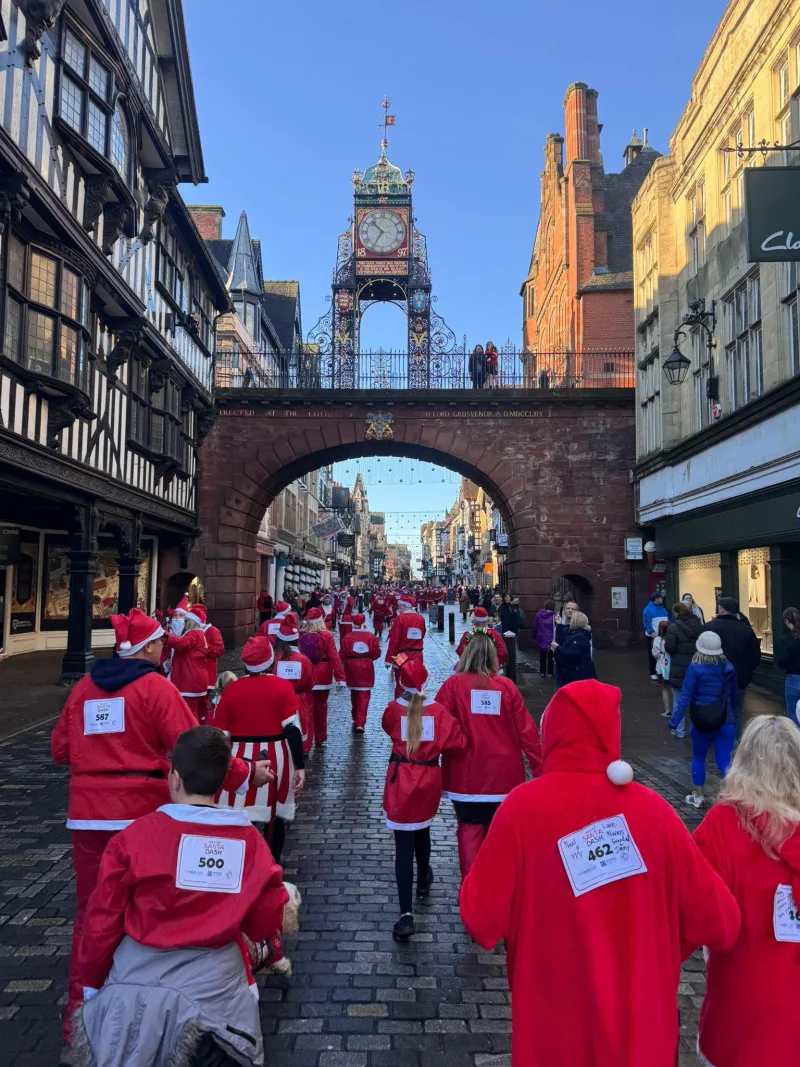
{"x": 708, "y": 718}
{"x": 311, "y": 647}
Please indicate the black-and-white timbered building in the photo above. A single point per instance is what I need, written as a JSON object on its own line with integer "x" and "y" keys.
{"x": 107, "y": 309}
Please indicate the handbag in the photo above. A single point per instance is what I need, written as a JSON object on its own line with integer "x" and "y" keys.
{"x": 667, "y": 660}
{"x": 708, "y": 718}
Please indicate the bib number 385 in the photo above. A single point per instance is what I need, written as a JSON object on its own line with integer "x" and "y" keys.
{"x": 210, "y": 864}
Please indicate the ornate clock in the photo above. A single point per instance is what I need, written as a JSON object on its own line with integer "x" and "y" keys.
{"x": 382, "y": 232}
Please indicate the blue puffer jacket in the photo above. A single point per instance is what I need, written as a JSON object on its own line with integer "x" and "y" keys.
{"x": 703, "y": 685}
{"x": 650, "y": 614}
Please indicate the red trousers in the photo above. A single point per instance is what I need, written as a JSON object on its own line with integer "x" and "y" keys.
{"x": 320, "y": 714}
{"x": 199, "y": 707}
{"x": 88, "y": 847}
{"x": 377, "y": 623}
{"x": 359, "y": 701}
{"x": 307, "y": 720}
{"x": 470, "y": 838}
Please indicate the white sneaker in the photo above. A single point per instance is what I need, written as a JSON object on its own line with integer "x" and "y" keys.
{"x": 695, "y": 800}
{"x": 654, "y": 677}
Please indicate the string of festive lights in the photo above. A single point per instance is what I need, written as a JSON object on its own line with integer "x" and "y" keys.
{"x": 393, "y": 470}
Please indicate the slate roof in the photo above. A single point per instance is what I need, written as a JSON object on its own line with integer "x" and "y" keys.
{"x": 282, "y": 301}
{"x": 620, "y": 189}
{"x": 243, "y": 273}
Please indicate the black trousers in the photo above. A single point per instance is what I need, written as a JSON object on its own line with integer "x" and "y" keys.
{"x": 407, "y": 844}
{"x": 546, "y": 662}
{"x": 275, "y": 836}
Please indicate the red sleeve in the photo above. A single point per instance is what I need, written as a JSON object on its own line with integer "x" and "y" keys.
{"x": 394, "y": 641}
{"x": 190, "y": 642}
{"x": 344, "y": 647}
{"x": 374, "y": 648}
{"x": 265, "y": 916}
{"x": 502, "y": 651}
{"x": 290, "y": 702}
{"x": 263, "y": 630}
{"x": 336, "y": 663}
{"x": 387, "y": 722}
{"x": 216, "y": 646}
{"x": 452, "y": 737}
{"x": 489, "y": 890}
{"x": 59, "y": 740}
{"x": 221, "y": 712}
{"x": 447, "y": 696}
{"x": 306, "y": 677}
{"x": 527, "y": 731}
{"x": 462, "y": 644}
{"x": 104, "y": 924}
{"x": 174, "y": 718}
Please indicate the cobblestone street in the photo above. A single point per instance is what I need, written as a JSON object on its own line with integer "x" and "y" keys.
{"x": 356, "y": 999}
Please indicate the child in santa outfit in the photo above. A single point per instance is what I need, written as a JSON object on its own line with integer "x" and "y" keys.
{"x": 327, "y": 669}
{"x": 752, "y": 839}
{"x": 499, "y": 730}
{"x": 160, "y": 964}
{"x": 117, "y": 726}
{"x": 420, "y": 730}
{"x": 377, "y": 609}
{"x": 260, "y": 712}
{"x": 328, "y": 611}
{"x": 189, "y": 672}
{"x": 297, "y": 669}
{"x": 358, "y": 650}
{"x": 599, "y": 892}
{"x": 407, "y": 636}
{"x": 480, "y": 625}
{"x": 283, "y": 611}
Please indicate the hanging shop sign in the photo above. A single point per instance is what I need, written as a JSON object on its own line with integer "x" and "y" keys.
{"x": 772, "y": 214}
{"x": 346, "y": 540}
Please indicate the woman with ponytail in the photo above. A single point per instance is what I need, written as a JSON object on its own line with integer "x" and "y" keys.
{"x": 299, "y": 671}
{"x": 421, "y": 730}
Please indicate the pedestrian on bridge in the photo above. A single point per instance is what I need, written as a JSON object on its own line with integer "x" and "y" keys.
{"x": 358, "y": 650}
{"x": 476, "y": 366}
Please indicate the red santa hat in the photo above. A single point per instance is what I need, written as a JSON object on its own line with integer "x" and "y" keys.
{"x": 413, "y": 675}
{"x": 133, "y": 631}
{"x": 183, "y": 607}
{"x": 288, "y": 631}
{"x": 582, "y": 731}
{"x": 281, "y": 608}
{"x": 258, "y": 654}
{"x": 479, "y": 615}
{"x": 358, "y": 620}
{"x": 405, "y": 600}
{"x": 196, "y": 614}
{"x": 314, "y": 613}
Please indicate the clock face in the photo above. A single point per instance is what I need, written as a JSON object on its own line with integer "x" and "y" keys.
{"x": 382, "y": 232}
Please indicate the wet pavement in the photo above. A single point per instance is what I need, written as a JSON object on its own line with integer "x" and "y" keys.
{"x": 356, "y": 998}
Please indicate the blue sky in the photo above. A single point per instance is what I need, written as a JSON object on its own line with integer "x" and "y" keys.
{"x": 288, "y": 97}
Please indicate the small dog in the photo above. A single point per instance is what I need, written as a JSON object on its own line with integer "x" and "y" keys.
{"x": 267, "y": 956}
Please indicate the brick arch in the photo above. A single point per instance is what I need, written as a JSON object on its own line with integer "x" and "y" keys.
{"x": 559, "y": 478}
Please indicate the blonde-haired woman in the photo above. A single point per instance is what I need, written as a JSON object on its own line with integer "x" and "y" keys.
{"x": 752, "y": 838}
{"x": 499, "y": 730}
{"x": 421, "y": 730}
{"x": 573, "y": 657}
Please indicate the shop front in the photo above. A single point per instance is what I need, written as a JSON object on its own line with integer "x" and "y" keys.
{"x": 749, "y": 550}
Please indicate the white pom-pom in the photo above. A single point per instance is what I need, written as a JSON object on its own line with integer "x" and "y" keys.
{"x": 124, "y": 646}
{"x": 619, "y": 772}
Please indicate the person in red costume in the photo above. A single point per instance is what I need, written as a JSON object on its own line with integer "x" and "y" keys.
{"x": 328, "y": 611}
{"x": 420, "y": 730}
{"x": 358, "y": 651}
{"x": 215, "y": 646}
{"x": 499, "y": 730}
{"x": 345, "y": 608}
{"x": 480, "y": 625}
{"x": 283, "y": 611}
{"x": 599, "y": 892}
{"x": 160, "y": 964}
{"x": 377, "y": 609}
{"x": 117, "y": 726}
{"x": 189, "y": 673}
{"x": 407, "y": 636}
{"x": 261, "y": 713}
{"x": 752, "y": 839}
{"x": 296, "y": 668}
{"x": 327, "y": 669}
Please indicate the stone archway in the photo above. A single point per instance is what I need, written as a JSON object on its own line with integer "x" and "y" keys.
{"x": 557, "y": 470}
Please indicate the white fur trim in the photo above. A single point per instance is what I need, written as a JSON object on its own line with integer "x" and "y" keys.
{"x": 98, "y": 824}
{"x": 406, "y": 825}
{"x": 703, "y": 1059}
{"x": 260, "y": 666}
{"x": 405, "y": 703}
{"x": 619, "y": 772}
{"x": 194, "y": 618}
{"x": 127, "y": 649}
{"x": 293, "y": 720}
{"x": 476, "y": 798}
{"x": 319, "y": 688}
{"x": 193, "y": 695}
{"x": 207, "y": 816}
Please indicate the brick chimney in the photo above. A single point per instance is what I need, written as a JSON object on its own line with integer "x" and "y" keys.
{"x": 578, "y": 146}
{"x": 208, "y": 220}
{"x": 554, "y": 150}
{"x": 592, "y": 127}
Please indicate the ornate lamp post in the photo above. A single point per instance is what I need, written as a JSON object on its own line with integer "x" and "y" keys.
{"x": 676, "y": 367}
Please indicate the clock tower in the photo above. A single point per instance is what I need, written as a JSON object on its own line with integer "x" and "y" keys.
{"x": 382, "y": 257}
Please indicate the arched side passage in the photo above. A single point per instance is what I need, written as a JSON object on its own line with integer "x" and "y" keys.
{"x": 560, "y": 481}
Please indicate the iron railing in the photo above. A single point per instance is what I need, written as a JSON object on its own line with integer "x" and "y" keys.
{"x": 397, "y": 370}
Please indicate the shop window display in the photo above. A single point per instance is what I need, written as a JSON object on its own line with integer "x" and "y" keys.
{"x": 701, "y": 576}
{"x": 24, "y": 587}
{"x": 754, "y": 593}
{"x": 105, "y": 591}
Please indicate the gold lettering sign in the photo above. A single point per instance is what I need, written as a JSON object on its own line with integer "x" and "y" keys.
{"x": 373, "y": 268}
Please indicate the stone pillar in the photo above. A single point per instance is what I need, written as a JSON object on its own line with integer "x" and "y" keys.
{"x": 82, "y": 572}
{"x": 280, "y": 581}
{"x": 129, "y": 560}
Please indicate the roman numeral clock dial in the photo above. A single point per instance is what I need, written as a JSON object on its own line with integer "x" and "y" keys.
{"x": 382, "y": 232}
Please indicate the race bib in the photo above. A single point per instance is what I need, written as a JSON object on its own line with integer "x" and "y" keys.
{"x": 785, "y": 916}
{"x": 600, "y": 853}
{"x": 485, "y": 701}
{"x": 360, "y": 646}
{"x": 427, "y": 728}
{"x": 104, "y": 716}
{"x": 210, "y": 864}
{"x": 273, "y": 628}
{"x": 289, "y": 670}
{"x": 414, "y": 633}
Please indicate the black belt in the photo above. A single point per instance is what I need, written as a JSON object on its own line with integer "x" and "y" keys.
{"x": 398, "y": 759}
{"x": 133, "y": 774}
{"x": 257, "y": 739}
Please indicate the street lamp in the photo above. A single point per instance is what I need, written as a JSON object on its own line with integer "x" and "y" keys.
{"x": 676, "y": 367}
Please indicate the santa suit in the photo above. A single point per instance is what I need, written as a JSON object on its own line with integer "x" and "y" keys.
{"x": 499, "y": 729}
{"x": 593, "y": 963}
{"x": 154, "y": 908}
{"x": 299, "y": 671}
{"x": 359, "y": 649}
{"x": 499, "y": 644}
{"x": 407, "y": 635}
{"x": 189, "y": 672}
{"x": 378, "y": 609}
{"x": 215, "y": 647}
{"x": 271, "y": 627}
{"x": 749, "y": 1015}
{"x": 422, "y": 601}
{"x": 345, "y": 626}
{"x": 329, "y": 611}
{"x": 391, "y": 610}
{"x": 414, "y": 786}
{"x": 261, "y": 713}
{"x": 328, "y": 668}
{"x": 144, "y": 717}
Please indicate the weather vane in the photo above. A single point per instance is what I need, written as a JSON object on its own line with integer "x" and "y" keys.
{"x": 388, "y": 120}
